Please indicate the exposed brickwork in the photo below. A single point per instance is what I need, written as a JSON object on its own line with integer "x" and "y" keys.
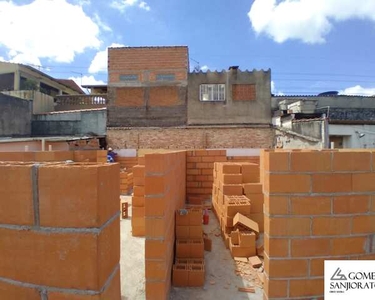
{"x": 163, "y": 96}
{"x": 166, "y": 59}
{"x": 244, "y": 92}
{"x": 317, "y": 206}
{"x": 71, "y": 243}
{"x": 190, "y": 138}
{"x": 131, "y": 96}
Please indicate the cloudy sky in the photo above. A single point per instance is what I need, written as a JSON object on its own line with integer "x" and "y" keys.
{"x": 311, "y": 46}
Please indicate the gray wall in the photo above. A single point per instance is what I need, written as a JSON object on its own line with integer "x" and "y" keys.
{"x": 288, "y": 140}
{"x": 15, "y": 116}
{"x": 90, "y": 122}
{"x": 230, "y": 112}
{"x": 339, "y": 101}
{"x": 310, "y": 128}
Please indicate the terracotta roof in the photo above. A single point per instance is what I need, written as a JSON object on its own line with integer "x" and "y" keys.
{"x": 71, "y": 83}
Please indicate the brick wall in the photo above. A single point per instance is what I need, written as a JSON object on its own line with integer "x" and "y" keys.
{"x": 60, "y": 239}
{"x": 190, "y": 138}
{"x": 318, "y": 205}
{"x": 129, "y": 96}
{"x": 244, "y": 92}
{"x": 144, "y": 59}
{"x": 165, "y": 188}
{"x": 77, "y": 156}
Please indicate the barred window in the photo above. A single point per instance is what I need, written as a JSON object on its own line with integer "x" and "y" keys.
{"x": 212, "y": 92}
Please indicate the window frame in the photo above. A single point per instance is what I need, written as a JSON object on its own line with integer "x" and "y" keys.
{"x": 211, "y": 89}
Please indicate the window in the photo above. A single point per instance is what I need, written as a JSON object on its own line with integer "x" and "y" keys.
{"x": 165, "y": 77}
{"x": 212, "y": 92}
{"x": 129, "y": 77}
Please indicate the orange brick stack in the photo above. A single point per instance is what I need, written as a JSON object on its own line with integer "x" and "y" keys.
{"x": 318, "y": 205}
{"x": 126, "y": 163}
{"x": 189, "y": 268}
{"x": 126, "y": 182}
{"x": 165, "y": 192}
{"x": 60, "y": 231}
{"x": 238, "y": 204}
{"x": 138, "y": 201}
{"x": 199, "y": 173}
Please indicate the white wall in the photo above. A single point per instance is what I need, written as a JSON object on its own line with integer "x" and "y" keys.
{"x": 351, "y": 138}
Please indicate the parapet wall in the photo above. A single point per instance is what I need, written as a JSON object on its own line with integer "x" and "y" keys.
{"x": 59, "y": 231}
{"x": 318, "y": 205}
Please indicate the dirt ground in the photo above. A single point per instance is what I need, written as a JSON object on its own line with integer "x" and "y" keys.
{"x": 223, "y": 274}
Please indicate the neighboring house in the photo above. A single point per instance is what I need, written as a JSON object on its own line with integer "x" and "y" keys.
{"x": 337, "y": 121}
{"x": 26, "y": 82}
{"x": 229, "y": 97}
{"x": 147, "y": 86}
{"x": 19, "y": 77}
{"x": 154, "y": 102}
{"x": 39, "y": 108}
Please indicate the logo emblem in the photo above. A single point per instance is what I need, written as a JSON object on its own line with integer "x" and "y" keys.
{"x": 338, "y": 276}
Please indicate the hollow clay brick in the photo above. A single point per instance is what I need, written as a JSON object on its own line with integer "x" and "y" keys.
{"x": 78, "y": 195}
{"x": 16, "y": 190}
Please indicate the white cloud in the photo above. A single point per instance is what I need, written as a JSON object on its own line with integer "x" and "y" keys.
{"x": 358, "y": 90}
{"x": 122, "y": 5}
{"x": 306, "y": 20}
{"x": 82, "y": 2}
{"x": 100, "y": 61}
{"x": 55, "y": 30}
{"x": 2, "y": 58}
{"x": 145, "y": 6}
{"x": 204, "y": 68}
{"x": 87, "y": 80}
{"x": 274, "y": 91}
{"x": 101, "y": 24}
{"x": 24, "y": 58}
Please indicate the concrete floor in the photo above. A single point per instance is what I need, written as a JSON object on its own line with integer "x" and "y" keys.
{"x": 132, "y": 260}
{"x": 222, "y": 279}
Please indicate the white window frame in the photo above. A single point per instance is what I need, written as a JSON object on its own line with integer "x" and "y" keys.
{"x": 212, "y": 92}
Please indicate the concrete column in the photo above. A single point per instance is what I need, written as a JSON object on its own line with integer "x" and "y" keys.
{"x": 17, "y": 80}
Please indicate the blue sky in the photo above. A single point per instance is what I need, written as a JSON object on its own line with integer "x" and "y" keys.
{"x": 311, "y": 46}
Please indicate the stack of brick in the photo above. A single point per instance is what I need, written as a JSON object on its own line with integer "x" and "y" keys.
{"x": 189, "y": 267}
{"x": 126, "y": 163}
{"x": 238, "y": 204}
{"x": 126, "y": 182}
{"x": 138, "y": 201}
{"x": 199, "y": 171}
{"x": 60, "y": 231}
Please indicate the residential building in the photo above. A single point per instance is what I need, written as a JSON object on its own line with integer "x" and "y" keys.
{"x": 324, "y": 121}
{"x": 155, "y": 102}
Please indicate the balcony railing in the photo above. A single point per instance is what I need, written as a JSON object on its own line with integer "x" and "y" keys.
{"x": 73, "y": 102}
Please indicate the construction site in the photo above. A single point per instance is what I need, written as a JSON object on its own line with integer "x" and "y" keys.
{"x": 170, "y": 184}
{"x": 192, "y": 224}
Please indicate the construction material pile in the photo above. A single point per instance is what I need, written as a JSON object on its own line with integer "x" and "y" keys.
{"x": 238, "y": 203}
{"x": 189, "y": 267}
